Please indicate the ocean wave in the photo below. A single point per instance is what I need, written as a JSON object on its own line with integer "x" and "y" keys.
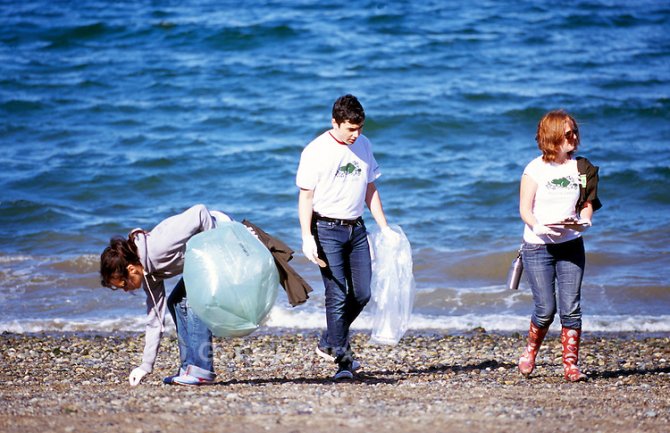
{"x": 69, "y": 36}
{"x": 300, "y": 320}
{"x": 22, "y": 106}
{"x": 240, "y": 37}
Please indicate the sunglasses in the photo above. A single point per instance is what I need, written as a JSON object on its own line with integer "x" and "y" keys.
{"x": 571, "y": 134}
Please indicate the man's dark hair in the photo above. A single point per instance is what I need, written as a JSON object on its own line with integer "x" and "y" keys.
{"x": 347, "y": 108}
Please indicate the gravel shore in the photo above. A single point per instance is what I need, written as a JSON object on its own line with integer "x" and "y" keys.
{"x": 275, "y": 382}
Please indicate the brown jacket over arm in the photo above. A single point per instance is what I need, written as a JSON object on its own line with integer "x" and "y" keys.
{"x": 295, "y": 286}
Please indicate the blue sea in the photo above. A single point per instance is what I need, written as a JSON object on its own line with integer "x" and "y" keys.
{"x": 115, "y": 115}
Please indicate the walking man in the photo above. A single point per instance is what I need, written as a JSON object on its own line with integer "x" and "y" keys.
{"x": 336, "y": 178}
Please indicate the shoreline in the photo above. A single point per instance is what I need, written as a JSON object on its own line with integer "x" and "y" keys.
{"x": 282, "y": 332}
{"x": 273, "y": 381}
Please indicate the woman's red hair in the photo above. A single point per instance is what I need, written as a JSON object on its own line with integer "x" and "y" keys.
{"x": 551, "y": 133}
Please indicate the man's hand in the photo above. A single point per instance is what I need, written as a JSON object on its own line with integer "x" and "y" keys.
{"x": 309, "y": 249}
{"x": 390, "y": 234}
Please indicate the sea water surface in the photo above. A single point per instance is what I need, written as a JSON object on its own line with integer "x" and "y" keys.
{"x": 115, "y": 115}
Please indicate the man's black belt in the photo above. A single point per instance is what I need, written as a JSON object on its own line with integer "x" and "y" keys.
{"x": 340, "y": 222}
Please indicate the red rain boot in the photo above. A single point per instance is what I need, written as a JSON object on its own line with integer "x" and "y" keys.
{"x": 527, "y": 359}
{"x": 570, "y": 340}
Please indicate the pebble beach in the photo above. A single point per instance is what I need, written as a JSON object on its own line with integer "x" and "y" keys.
{"x": 467, "y": 382}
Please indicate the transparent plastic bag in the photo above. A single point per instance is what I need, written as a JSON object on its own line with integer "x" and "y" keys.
{"x": 231, "y": 279}
{"x": 393, "y": 288}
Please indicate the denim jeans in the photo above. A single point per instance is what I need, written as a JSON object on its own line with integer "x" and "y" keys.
{"x": 555, "y": 271}
{"x": 193, "y": 336}
{"x": 346, "y": 280}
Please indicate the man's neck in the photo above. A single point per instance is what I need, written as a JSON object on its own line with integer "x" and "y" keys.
{"x": 336, "y": 139}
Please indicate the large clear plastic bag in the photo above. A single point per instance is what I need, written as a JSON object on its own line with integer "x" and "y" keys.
{"x": 393, "y": 287}
{"x": 231, "y": 279}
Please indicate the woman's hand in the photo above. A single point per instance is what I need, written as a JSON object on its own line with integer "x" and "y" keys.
{"x": 540, "y": 230}
{"x": 583, "y": 224}
{"x": 136, "y": 376}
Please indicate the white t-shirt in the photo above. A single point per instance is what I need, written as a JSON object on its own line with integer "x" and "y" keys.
{"x": 338, "y": 174}
{"x": 555, "y": 199}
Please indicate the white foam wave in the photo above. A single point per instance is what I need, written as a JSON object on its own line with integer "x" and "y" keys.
{"x": 14, "y": 259}
{"x": 283, "y": 318}
{"x": 119, "y": 324}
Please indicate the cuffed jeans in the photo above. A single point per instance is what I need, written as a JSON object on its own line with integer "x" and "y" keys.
{"x": 346, "y": 280}
{"x": 555, "y": 271}
{"x": 193, "y": 336}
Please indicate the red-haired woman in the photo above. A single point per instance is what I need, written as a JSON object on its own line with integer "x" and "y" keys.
{"x": 555, "y": 188}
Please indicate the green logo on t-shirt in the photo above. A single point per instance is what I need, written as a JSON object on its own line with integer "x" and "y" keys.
{"x": 351, "y": 169}
{"x": 563, "y": 182}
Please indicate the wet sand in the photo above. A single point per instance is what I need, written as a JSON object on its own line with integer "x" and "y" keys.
{"x": 275, "y": 382}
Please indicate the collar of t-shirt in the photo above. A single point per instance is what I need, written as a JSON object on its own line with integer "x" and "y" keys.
{"x": 335, "y": 138}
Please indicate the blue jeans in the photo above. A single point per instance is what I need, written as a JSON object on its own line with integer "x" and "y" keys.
{"x": 193, "y": 336}
{"x": 555, "y": 270}
{"x": 346, "y": 280}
